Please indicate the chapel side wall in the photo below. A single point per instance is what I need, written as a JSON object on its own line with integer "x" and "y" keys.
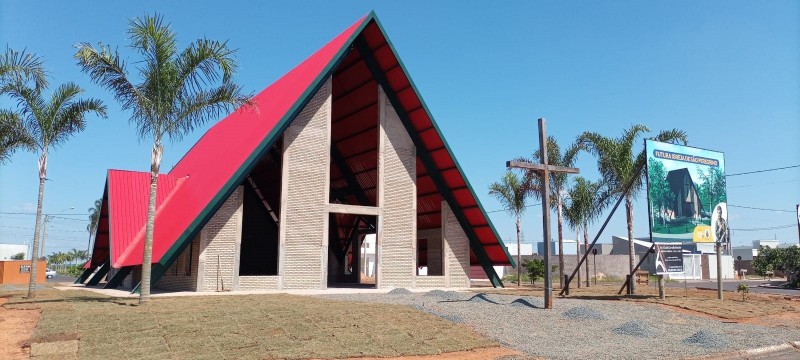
{"x": 304, "y": 220}
{"x": 180, "y": 281}
{"x": 456, "y": 249}
{"x": 220, "y": 239}
{"x": 398, "y": 201}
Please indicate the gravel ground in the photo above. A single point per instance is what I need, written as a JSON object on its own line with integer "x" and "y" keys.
{"x": 583, "y": 329}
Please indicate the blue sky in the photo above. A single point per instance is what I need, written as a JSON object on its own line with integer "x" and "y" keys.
{"x": 726, "y": 72}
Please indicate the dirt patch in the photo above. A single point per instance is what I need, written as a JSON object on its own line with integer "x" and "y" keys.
{"x": 476, "y": 354}
{"x": 16, "y": 327}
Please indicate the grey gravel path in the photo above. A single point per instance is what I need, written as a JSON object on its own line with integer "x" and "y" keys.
{"x": 586, "y": 329}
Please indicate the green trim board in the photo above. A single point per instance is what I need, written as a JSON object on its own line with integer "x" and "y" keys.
{"x": 117, "y": 279}
{"x": 426, "y": 159}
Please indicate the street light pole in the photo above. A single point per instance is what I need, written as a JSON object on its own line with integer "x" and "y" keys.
{"x": 47, "y": 218}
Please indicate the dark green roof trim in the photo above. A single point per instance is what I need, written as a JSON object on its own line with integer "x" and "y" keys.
{"x": 444, "y": 141}
{"x": 217, "y": 201}
{"x": 424, "y": 155}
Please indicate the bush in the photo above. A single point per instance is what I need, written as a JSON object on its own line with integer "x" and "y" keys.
{"x": 74, "y": 270}
{"x": 786, "y": 260}
{"x": 534, "y": 269}
{"x": 744, "y": 289}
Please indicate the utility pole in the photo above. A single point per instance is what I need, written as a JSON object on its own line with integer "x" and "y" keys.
{"x": 544, "y": 170}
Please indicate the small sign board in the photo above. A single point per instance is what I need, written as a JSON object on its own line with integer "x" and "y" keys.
{"x": 669, "y": 258}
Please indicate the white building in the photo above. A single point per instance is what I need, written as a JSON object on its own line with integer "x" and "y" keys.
{"x": 9, "y": 250}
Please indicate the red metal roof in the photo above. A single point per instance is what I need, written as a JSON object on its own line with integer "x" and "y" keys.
{"x": 206, "y": 175}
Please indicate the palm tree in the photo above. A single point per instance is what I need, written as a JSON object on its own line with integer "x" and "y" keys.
{"x": 558, "y": 182}
{"x": 16, "y": 66}
{"x": 45, "y": 124}
{"x": 586, "y": 202}
{"x": 619, "y": 165}
{"x": 512, "y": 193}
{"x": 94, "y": 220}
{"x": 177, "y": 93}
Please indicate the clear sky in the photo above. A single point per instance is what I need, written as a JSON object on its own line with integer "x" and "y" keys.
{"x": 726, "y": 72}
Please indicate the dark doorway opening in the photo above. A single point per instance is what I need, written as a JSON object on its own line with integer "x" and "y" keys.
{"x": 260, "y": 216}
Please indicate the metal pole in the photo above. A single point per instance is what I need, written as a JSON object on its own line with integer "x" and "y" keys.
{"x": 44, "y": 233}
{"x": 548, "y": 286}
{"x": 719, "y": 270}
{"x": 630, "y": 278}
{"x": 594, "y": 257}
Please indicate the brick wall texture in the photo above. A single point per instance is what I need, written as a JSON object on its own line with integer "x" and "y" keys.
{"x": 397, "y": 198}
{"x": 456, "y": 249}
{"x": 306, "y": 169}
{"x": 176, "y": 277}
{"x": 218, "y": 264}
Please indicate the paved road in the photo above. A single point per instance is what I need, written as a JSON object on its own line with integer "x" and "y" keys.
{"x": 731, "y": 285}
{"x": 61, "y": 278}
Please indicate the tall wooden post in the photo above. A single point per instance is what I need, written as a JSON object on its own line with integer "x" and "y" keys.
{"x": 548, "y": 285}
{"x": 544, "y": 170}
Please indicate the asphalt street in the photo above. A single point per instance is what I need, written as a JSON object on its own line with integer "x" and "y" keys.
{"x": 731, "y": 285}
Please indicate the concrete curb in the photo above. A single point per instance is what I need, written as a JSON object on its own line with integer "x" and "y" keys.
{"x": 750, "y": 352}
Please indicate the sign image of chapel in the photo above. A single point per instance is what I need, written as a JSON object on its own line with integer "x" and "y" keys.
{"x": 284, "y": 194}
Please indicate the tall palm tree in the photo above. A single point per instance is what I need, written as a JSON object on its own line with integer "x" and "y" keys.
{"x": 619, "y": 165}
{"x": 48, "y": 123}
{"x": 177, "y": 92}
{"x": 558, "y": 183}
{"x": 512, "y": 193}
{"x": 586, "y": 202}
{"x": 24, "y": 68}
{"x": 94, "y": 220}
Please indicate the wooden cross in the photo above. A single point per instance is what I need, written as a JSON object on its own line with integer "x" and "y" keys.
{"x": 544, "y": 171}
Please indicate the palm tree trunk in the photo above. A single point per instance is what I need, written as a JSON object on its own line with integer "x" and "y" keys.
{"x": 578, "y": 256}
{"x": 35, "y": 250}
{"x": 631, "y": 245}
{"x": 586, "y": 250}
{"x": 559, "y": 215}
{"x": 147, "y": 258}
{"x": 519, "y": 252}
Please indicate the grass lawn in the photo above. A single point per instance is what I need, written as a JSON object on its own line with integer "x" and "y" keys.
{"x": 696, "y": 300}
{"x": 240, "y": 327}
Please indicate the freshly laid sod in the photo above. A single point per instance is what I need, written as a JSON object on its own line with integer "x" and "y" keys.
{"x": 240, "y": 327}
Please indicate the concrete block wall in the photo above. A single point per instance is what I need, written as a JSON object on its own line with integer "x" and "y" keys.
{"x": 259, "y": 282}
{"x": 220, "y": 240}
{"x": 397, "y": 197}
{"x": 306, "y": 179}
{"x": 180, "y": 281}
{"x": 456, "y": 249}
{"x": 432, "y": 281}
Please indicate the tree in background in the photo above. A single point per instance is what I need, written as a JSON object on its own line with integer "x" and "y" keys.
{"x": 94, "y": 220}
{"x": 659, "y": 191}
{"x": 535, "y": 269}
{"x": 586, "y": 201}
{"x": 179, "y": 91}
{"x": 45, "y": 123}
{"x": 23, "y": 68}
{"x": 558, "y": 183}
{"x": 619, "y": 165}
{"x": 512, "y": 193}
{"x": 18, "y": 256}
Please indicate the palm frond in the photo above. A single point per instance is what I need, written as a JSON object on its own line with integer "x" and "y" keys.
{"x": 13, "y": 136}
{"x": 106, "y": 68}
{"x": 19, "y": 66}
{"x": 72, "y": 118}
{"x": 201, "y": 62}
{"x": 204, "y": 106}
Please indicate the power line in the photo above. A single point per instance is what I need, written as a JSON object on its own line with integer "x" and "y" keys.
{"x": 765, "y": 170}
{"x": 494, "y": 211}
{"x": 29, "y": 213}
{"x": 768, "y": 228}
{"x": 763, "y": 209}
{"x": 761, "y": 184}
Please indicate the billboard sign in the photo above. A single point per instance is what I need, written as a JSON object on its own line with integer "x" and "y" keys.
{"x": 686, "y": 193}
{"x": 669, "y": 258}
